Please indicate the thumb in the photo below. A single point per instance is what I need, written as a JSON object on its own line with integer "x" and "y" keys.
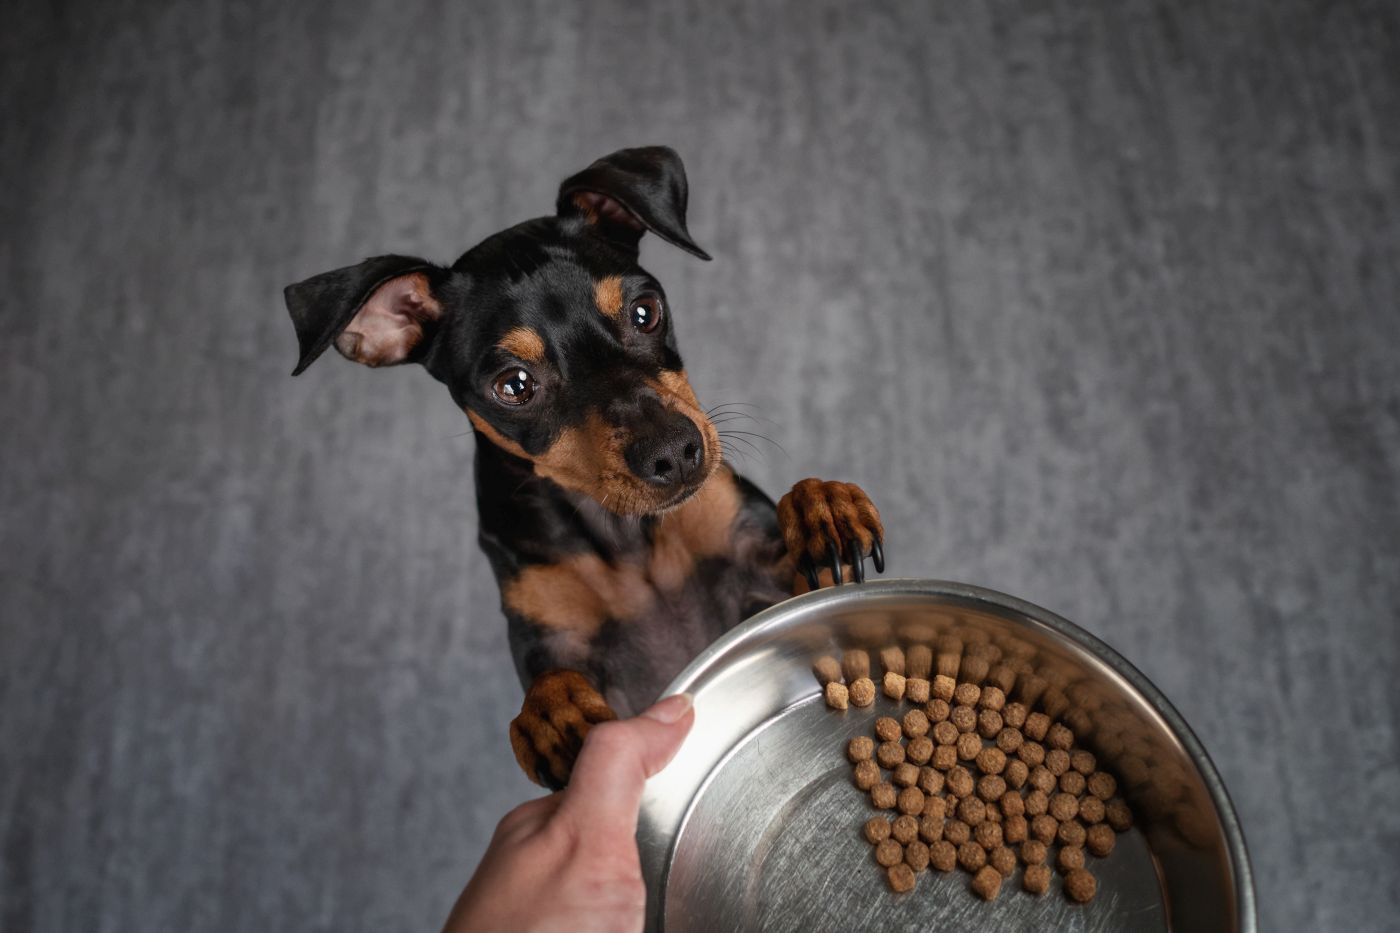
{"x": 605, "y": 790}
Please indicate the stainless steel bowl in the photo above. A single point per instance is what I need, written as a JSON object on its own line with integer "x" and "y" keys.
{"x": 756, "y": 825}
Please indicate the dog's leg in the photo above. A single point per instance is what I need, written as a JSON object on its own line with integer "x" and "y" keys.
{"x": 829, "y": 529}
{"x": 559, "y": 709}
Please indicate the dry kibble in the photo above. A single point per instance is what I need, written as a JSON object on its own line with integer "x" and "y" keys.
{"x": 888, "y": 852}
{"x": 892, "y": 660}
{"x": 974, "y": 669}
{"x": 1100, "y": 839}
{"x": 1037, "y": 802}
{"x": 1054, "y": 702}
{"x": 1057, "y": 761}
{"x": 1091, "y": 810}
{"x": 889, "y": 754}
{"x": 1037, "y": 724}
{"x": 967, "y": 694}
{"x": 988, "y": 723}
{"x": 877, "y": 830}
{"x": 944, "y": 687}
{"x": 1072, "y": 782}
{"x": 1014, "y": 715}
{"x": 969, "y": 745}
{"x": 915, "y": 723}
{"x": 1071, "y": 833}
{"x": 1064, "y": 807}
{"x": 936, "y": 807}
{"x": 1003, "y": 677}
{"x": 964, "y": 718}
{"x": 1033, "y": 852}
{"x": 887, "y": 729}
{"x": 990, "y": 787}
{"x": 883, "y": 795}
{"x": 901, "y": 878}
{"x": 862, "y": 691}
{"x": 956, "y": 831}
{"x": 905, "y": 829}
{"x": 971, "y": 856}
{"x": 931, "y": 782}
{"x": 987, "y": 835}
{"x": 1102, "y": 785}
{"x": 937, "y": 710}
{"x": 894, "y": 685}
{"x": 911, "y": 801}
{"x": 837, "y": 696}
{"x": 1003, "y": 860}
{"x": 916, "y": 855}
{"x": 905, "y": 775}
{"x": 867, "y": 774}
{"x": 1009, "y": 739}
{"x": 1030, "y": 687}
{"x": 987, "y": 883}
{"x": 945, "y": 733}
{"x": 1036, "y": 880}
{"x": 1082, "y": 761}
{"x": 1012, "y": 804}
{"x": 919, "y": 751}
{"x": 855, "y": 665}
{"x": 916, "y": 690}
{"x": 1032, "y": 753}
{"x": 1044, "y": 828}
{"x": 827, "y": 669}
{"x": 931, "y": 829}
{"x": 1016, "y": 773}
{"x": 972, "y": 811}
{"x": 860, "y": 748}
{"x": 918, "y": 662}
{"x": 960, "y": 781}
{"x": 1041, "y": 778}
{"x": 1080, "y": 886}
{"x": 991, "y": 760}
{"x": 1014, "y": 829}
{"x": 993, "y": 698}
{"x": 1059, "y": 737}
{"x": 1069, "y": 858}
{"x": 1118, "y": 815}
{"x": 945, "y": 757}
{"x": 943, "y": 855}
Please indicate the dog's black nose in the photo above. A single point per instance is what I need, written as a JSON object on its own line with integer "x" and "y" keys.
{"x": 668, "y": 453}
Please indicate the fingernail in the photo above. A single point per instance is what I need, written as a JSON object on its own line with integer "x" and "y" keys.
{"x": 670, "y": 709}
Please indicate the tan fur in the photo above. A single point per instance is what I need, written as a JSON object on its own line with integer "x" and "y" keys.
{"x": 607, "y": 296}
{"x": 699, "y": 528}
{"x": 523, "y": 343}
{"x": 579, "y": 593}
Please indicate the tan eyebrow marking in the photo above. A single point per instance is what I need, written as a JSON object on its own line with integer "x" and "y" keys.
{"x": 607, "y": 295}
{"x": 524, "y": 343}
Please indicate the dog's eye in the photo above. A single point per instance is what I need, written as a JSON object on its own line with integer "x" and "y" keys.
{"x": 514, "y": 387}
{"x": 646, "y": 313}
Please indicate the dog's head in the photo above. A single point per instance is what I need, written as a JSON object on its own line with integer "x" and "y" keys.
{"x": 559, "y": 347}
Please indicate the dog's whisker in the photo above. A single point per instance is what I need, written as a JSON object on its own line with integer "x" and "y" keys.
{"x": 741, "y": 435}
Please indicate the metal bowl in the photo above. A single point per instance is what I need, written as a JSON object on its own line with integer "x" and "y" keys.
{"x": 756, "y": 824}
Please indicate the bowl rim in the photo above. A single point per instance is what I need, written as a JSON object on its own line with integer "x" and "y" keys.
{"x": 776, "y": 615}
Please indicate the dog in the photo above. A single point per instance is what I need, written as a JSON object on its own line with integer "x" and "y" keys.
{"x": 622, "y": 540}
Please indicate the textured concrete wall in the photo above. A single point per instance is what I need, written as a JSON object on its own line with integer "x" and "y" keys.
{"x": 1099, "y": 301}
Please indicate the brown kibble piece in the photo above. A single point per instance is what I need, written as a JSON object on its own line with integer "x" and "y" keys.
{"x": 1071, "y": 833}
{"x": 1080, "y": 886}
{"x": 1032, "y": 753}
{"x": 945, "y": 757}
{"x": 867, "y": 774}
{"x": 1082, "y": 761}
{"x": 993, "y": 698}
{"x": 883, "y": 795}
{"x": 944, "y": 687}
{"x": 931, "y": 828}
{"x": 889, "y": 754}
{"x": 1014, "y": 829}
{"x": 974, "y": 669}
{"x": 971, "y": 856}
{"x": 905, "y": 829}
{"x": 937, "y": 710}
{"x": 1102, "y": 785}
{"x": 1057, "y": 761}
{"x": 1069, "y": 858}
{"x": 1003, "y": 677}
{"x": 987, "y": 883}
{"x": 1100, "y": 839}
{"x": 911, "y": 801}
{"x": 988, "y": 723}
{"x": 888, "y": 852}
{"x": 827, "y": 669}
{"x": 967, "y": 694}
{"x": 960, "y": 781}
{"x": 918, "y": 662}
{"x": 945, "y": 733}
{"x": 1037, "y": 724}
{"x": 1063, "y": 807}
{"x": 1014, "y": 715}
{"x": 1033, "y": 852}
{"x": 943, "y": 855}
{"x": 1060, "y": 737}
{"x": 919, "y": 751}
{"x": 862, "y": 691}
{"x": 1016, "y": 773}
{"x": 972, "y": 811}
{"x": 964, "y": 718}
{"x": 915, "y": 723}
{"x": 1036, "y": 879}
{"x": 934, "y": 806}
{"x": 1013, "y": 804}
{"x": 1072, "y": 782}
{"x": 1041, "y": 778}
{"x": 1009, "y": 739}
{"x": 905, "y": 774}
{"x": 887, "y": 729}
{"x": 837, "y": 696}
{"x": 892, "y": 659}
{"x": 956, "y": 831}
{"x": 916, "y": 690}
{"x": 1118, "y": 815}
{"x": 931, "y": 782}
{"x": 1091, "y": 810}
{"x": 877, "y": 830}
{"x": 987, "y": 835}
{"x": 990, "y": 787}
{"x": 1044, "y": 828}
{"x": 901, "y": 878}
{"x": 916, "y": 855}
{"x": 860, "y": 748}
{"x": 1037, "y": 802}
{"x": 1003, "y": 860}
{"x": 855, "y": 665}
{"x": 991, "y": 760}
{"x": 968, "y": 746}
{"x": 894, "y": 685}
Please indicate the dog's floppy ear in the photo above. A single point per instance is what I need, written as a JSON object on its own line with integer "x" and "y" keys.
{"x": 629, "y": 192}
{"x": 377, "y": 313}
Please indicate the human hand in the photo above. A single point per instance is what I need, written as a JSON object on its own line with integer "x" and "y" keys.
{"x": 569, "y": 861}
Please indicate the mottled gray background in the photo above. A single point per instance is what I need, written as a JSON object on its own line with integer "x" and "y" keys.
{"x": 1099, "y": 301}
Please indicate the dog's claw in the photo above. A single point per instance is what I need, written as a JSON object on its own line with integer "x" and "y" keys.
{"x": 808, "y": 571}
{"x": 877, "y": 551}
{"x": 834, "y": 555}
{"x": 857, "y": 562}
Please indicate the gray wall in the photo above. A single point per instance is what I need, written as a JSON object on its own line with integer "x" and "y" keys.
{"x": 1098, "y": 301}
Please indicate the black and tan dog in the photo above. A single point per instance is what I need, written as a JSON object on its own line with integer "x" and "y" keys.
{"x": 622, "y": 542}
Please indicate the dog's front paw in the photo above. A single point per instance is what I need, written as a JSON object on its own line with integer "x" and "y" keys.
{"x": 829, "y": 527}
{"x": 559, "y": 709}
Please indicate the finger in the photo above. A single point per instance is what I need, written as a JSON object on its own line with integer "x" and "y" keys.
{"x": 612, "y": 769}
